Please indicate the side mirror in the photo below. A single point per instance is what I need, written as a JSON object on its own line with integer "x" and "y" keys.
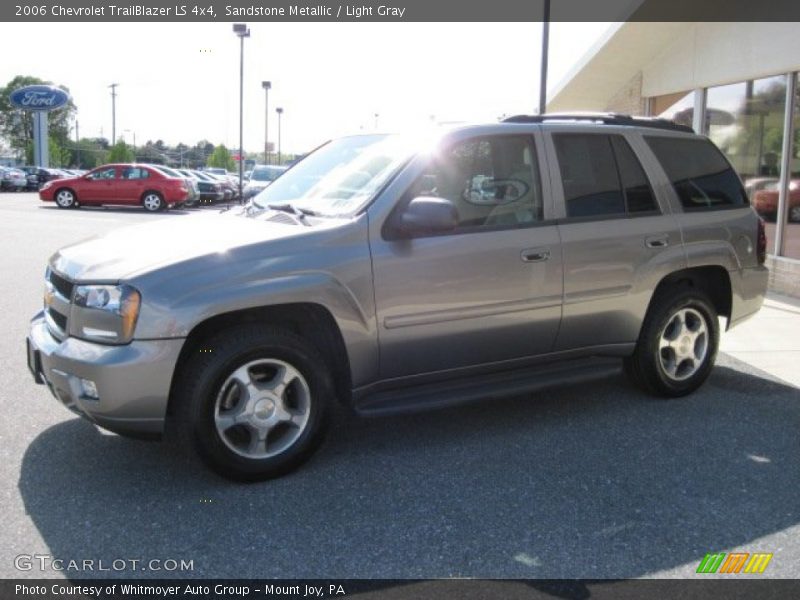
{"x": 428, "y": 215}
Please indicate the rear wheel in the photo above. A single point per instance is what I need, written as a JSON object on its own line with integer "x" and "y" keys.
{"x": 153, "y": 202}
{"x": 794, "y": 214}
{"x": 253, "y": 402}
{"x": 677, "y": 346}
{"x": 65, "y": 198}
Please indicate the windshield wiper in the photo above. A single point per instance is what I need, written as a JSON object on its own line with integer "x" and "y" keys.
{"x": 298, "y": 212}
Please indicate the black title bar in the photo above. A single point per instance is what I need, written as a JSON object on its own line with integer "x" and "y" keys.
{"x": 398, "y": 10}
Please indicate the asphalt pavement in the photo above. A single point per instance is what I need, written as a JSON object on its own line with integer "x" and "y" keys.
{"x": 592, "y": 481}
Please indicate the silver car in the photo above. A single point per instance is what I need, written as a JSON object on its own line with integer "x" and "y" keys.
{"x": 394, "y": 273}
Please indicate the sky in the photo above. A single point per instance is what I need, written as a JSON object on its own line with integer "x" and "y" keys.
{"x": 180, "y": 82}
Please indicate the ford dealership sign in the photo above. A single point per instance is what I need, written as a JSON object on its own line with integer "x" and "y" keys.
{"x": 39, "y": 97}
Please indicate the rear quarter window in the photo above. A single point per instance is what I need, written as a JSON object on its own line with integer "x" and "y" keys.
{"x": 699, "y": 173}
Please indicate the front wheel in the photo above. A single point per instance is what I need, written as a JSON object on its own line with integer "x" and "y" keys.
{"x": 677, "y": 346}
{"x": 65, "y": 199}
{"x": 253, "y": 402}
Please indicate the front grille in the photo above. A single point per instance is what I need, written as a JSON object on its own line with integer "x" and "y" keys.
{"x": 61, "y": 285}
{"x": 58, "y": 309}
{"x": 58, "y": 319}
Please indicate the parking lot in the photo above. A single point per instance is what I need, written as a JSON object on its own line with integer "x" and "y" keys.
{"x": 594, "y": 481}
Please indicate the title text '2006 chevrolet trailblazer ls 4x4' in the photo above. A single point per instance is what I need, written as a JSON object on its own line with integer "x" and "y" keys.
{"x": 390, "y": 273}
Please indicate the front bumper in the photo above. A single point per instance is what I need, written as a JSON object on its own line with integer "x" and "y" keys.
{"x": 133, "y": 381}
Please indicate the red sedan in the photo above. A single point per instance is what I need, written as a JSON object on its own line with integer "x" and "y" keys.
{"x": 125, "y": 184}
{"x": 766, "y": 202}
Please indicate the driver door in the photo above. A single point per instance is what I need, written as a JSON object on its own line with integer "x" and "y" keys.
{"x": 486, "y": 292}
{"x": 98, "y": 186}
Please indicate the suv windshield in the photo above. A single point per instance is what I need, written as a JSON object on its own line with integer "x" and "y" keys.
{"x": 338, "y": 178}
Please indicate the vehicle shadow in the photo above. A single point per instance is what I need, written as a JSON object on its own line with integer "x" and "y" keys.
{"x": 587, "y": 481}
{"x": 138, "y": 210}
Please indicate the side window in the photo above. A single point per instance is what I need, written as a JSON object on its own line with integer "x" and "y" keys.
{"x": 589, "y": 175}
{"x": 639, "y": 196}
{"x": 493, "y": 182}
{"x": 135, "y": 173}
{"x": 699, "y": 173}
{"x": 109, "y": 173}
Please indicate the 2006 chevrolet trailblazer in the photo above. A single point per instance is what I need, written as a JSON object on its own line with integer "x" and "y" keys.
{"x": 390, "y": 274}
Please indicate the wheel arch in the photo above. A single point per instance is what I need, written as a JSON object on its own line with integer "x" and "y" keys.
{"x": 68, "y": 188}
{"x": 311, "y": 321}
{"x": 713, "y": 280}
{"x": 151, "y": 191}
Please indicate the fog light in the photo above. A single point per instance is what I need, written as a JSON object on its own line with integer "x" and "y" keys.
{"x": 89, "y": 389}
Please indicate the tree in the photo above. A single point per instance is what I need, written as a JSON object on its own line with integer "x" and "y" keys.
{"x": 221, "y": 158}
{"x": 121, "y": 153}
{"x": 16, "y": 125}
{"x": 58, "y": 156}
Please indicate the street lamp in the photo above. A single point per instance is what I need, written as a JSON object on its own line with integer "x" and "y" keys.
{"x": 134, "y": 142}
{"x": 113, "y": 87}
{"x": 279, "y": 110}
{"x": 267, "y": 85}
{"x": 242, "y": 31}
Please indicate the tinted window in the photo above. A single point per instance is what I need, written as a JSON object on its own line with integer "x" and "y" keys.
{"x": 493, "y": 182}
{"x": 701, "y": 176}
{"x": 638, "y": 193}
{"x": 135, "y": 173}
{"x": 589, "y": 175}
{"x": 108, "y": 173}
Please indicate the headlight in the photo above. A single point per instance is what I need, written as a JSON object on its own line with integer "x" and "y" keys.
{"x": 105, "y": 313}
{"x": 47, "y": 185}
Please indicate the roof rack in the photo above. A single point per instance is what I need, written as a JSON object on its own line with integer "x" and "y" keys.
{"x": 604, "y": 118}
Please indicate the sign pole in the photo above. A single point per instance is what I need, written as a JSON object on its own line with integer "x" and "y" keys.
{"x": 41, "y": 150}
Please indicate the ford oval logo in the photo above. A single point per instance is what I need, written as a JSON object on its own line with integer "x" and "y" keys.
{"x": 39, "y": 97}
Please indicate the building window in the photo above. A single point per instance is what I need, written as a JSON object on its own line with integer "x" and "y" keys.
{"x": 675, "y": 107}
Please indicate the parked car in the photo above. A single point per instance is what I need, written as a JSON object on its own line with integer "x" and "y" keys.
{"x": 765, "y": 201}
{"x": 209, "y": 189}
{"x": 37, "y": 176}
{"x": 368, "y": 275}
{"x": 230, "y": 188}
{"x": 123, "y": 184}
{"x": 193, "y": 196}
{"x": 12, "y": 179}
{"x": 261, "y": 177}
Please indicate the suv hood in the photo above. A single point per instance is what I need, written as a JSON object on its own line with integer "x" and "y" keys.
{"x": 130, "y": 251}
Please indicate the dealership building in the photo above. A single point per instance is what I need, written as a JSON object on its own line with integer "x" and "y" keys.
{"x": 735, "y": 82}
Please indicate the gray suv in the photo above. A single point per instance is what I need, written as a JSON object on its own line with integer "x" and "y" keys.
{"x": 399, "y": 272}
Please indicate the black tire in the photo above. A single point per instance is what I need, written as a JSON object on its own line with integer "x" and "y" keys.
{"x": 199, "y": 390}
{"x": 645, "y": 367}
{"x": 65, "y": 198}
{"x": 153, "y": 201}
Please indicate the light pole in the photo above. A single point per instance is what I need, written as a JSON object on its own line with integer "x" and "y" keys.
{"x": 242, "y": 31}
{"x": 134, "y": 142}
{"x": 113, "y": 87}
{"x": 279, "y": 110}
{"x": 543, "y": 68}
{"x": 376, "y": 121}
{"x": 77, "y": 144}
{"x": 267, "y": 85}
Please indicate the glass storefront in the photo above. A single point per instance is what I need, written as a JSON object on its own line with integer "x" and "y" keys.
{"x": 791, "y": 232}
{"x": 745, "y": 120}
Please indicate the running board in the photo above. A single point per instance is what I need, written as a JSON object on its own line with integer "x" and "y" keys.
{"x": 451, "y": 392}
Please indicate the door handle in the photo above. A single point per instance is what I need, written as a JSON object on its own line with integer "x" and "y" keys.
{"x": 535, "y": 255}
{"x": 657, "y": 241}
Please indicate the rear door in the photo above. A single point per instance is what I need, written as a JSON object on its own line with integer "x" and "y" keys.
{"x": 617, "y": 237}
{"x": 490, "y": 290}
{"x": 132, "y": 183}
